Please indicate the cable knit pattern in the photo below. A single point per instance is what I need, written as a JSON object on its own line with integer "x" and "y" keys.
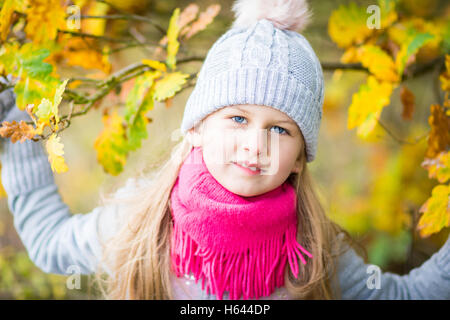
{"x": 261, "y": 65}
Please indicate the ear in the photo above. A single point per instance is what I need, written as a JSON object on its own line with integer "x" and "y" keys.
{"x": 297, "y": 166}
{"x": 296, "y": 169}
{"x": 194, "y": 137}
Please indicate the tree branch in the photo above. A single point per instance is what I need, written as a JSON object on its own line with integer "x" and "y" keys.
{"x": 131, "y": 17}
{"x": 400, "y": 140}
{"x": 88, "y": 35}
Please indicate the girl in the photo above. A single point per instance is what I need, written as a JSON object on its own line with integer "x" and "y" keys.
{"x": 229, "y": 215}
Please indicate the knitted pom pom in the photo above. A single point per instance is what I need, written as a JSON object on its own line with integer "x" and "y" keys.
{"x": 284, "y": 14}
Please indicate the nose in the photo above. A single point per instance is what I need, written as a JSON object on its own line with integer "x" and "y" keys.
{"x": 254, "y": 143}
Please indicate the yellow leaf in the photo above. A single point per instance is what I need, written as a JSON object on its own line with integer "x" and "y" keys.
{"x": 370, "y": 130}
{"x": 348, "y": 25}
{"x": 172, "y": 39}
{"x": 438, "y": 167}
{"x": 169, "y": 85}
{"x": 111, "y": 144}
{"x": 445, "y": 76}
{"x": 95, "y": 26}
{"x": 6, "y": 15}
{"x": 350, "y": 55}
{"x": 370, "y": 99}
{"x": 55, "y": 150}
{"x": 84, "y": 53}
{"x": 436, "y": 211}
{"x": 155, "y": 64}
{"x": 378, "y": 62}
{"x": 44, "y": 18}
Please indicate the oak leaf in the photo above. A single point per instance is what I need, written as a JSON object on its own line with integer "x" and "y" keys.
{"x": 17, "y": 131}
{"x": 439, "y": 137}
{"x": 407, "y": 98}
{"x": 44, "y": 18}
{"x": 436, "y": 211}
{"x": 169, "y": 85}
{"x": 111, "y": 144}
{"x": 368, "y": 103}
{"x": 172, "y": 39}
{"x": 55, "y": 150}
{"x": 204, "y": 19}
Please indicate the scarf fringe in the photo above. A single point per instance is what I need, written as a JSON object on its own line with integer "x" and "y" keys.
{"x": 251, "y": 272}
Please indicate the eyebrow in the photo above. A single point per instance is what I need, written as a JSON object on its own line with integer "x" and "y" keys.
{"x": 276, "y": 121}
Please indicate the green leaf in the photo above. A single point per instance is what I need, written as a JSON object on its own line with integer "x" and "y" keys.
{"x": 139, "y": 102}
{"x": 32, "y": 62}
{"x": 137, "y": 131}
{"x": 137, "y": 95}
{"x": 34, "y": 76}
{"x": 44, "y": 109}
{"x": 415, "y": 41}
{"x": 58, "y": 98}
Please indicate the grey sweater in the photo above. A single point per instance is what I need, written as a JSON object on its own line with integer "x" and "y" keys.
{"x": 60, "y": 242}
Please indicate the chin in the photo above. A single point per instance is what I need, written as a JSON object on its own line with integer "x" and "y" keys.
{"x": 246, "y": 193}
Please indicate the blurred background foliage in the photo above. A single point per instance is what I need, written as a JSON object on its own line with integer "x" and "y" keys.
{"x": 372, "y": 189}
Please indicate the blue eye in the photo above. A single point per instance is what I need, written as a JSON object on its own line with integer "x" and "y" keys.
{"x": 239, "y": 119}
{"x": 284, "y": 130}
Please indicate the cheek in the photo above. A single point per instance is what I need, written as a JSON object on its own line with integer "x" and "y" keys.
{"x": 288, "y": 158}
{"x": 215, "y": 147}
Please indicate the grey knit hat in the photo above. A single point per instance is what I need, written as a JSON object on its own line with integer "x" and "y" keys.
{"x": 262, "y": 64}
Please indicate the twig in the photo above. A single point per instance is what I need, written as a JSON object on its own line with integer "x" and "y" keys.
{"x": 161, "y": 30}
{"x": 139, "y": 38}
{"x": 190, "y": 59}
{"x": 332, "y": 66}
{"x": 133, "y": 45}
{"x": 88, "y": 35}
{"x": 70, "y": 112}
{"x": 437, "y": 83}
{"x": 400, "y": 140}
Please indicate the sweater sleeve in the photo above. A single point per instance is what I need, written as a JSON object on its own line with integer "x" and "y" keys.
{"x": 56, "y": 240}
{"x": 361, "y": 281}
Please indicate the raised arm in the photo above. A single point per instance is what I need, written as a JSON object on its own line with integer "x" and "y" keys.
{"x": 431, "y": 280}
{"x": 54, "y": 238}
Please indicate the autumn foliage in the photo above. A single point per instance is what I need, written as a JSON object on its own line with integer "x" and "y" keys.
{"x": 38, "y": 38}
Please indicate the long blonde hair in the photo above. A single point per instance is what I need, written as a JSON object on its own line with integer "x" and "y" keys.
{"x": 138, "y": 255}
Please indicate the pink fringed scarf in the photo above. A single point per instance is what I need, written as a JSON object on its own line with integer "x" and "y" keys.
{"x": 233, "y": 243}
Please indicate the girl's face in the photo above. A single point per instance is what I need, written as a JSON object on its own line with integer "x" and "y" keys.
{"x": 259, "y": 136}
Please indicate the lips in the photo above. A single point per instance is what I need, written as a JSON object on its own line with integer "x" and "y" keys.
{"x": 250, "y": 169}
